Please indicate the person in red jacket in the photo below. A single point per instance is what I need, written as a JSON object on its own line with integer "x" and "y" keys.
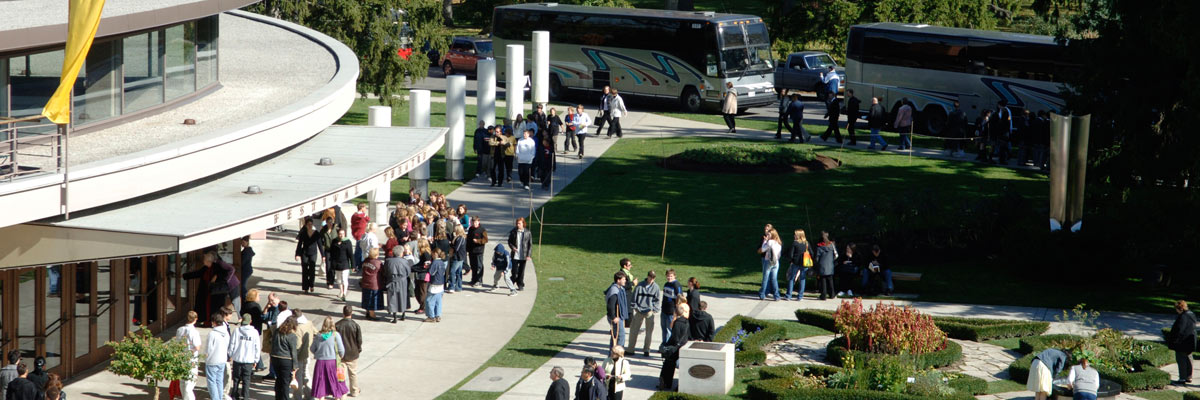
{"x": 358, "y": 227}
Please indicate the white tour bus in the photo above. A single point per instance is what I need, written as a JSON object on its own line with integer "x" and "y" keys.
{"x": 934, "y": 66}
{"x": 677, "y": 55}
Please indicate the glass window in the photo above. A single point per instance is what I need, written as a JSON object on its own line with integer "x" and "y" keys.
{"x": 207, "y": 33}
{"x": 83, "y": 284}
{"x": 820, "y": 61}
{"x": 34, "y": 79}
{"x": 915, "y": 51}
{"x": 104, "y": 303}
{"x": 143, "y": 71}
{"x": 97, "y": 90}
{"x": 734, "y": 59}
{"x": 53, "y": 316}
{"x": 3, "y": 87}
{"x": 756, "y": 34}
{"x": 26, "y": 296}
{"x": 731, "y": 36}
{"x": 181, "y": 59}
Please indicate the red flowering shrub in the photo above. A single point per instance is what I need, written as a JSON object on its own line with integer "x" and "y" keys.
{"x": 887, "y": 329}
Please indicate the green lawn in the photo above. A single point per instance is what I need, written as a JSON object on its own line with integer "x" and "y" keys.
{"x": 862, "y": 134}
{"x": 1161, "y": 395}
{"x": 725, "y": 213}
{"x": 1004, "y": 386}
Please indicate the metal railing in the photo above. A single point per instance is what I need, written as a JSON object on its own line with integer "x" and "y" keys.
{"x": 30, "y": 146}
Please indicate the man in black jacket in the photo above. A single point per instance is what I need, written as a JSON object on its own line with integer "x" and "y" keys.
{"x": 833, "y": 111}
{"x": 876, "y": 117}
{"x": 476, "y": 242}
{"x": 956, "y": 126}
{"x": 482, "y": 150}
{"x": 1183, "y": 341}
{"x": 559, "y": 388}
{"x": 519, "y": 242}
{"x": 22, "y": 388}
{"x": 617, "y": 302}
{"x": 702, "y": 325}
{"x": 852, "y": 104}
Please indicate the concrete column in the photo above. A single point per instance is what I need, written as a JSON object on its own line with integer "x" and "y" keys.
{"x": 1077, "y": 170}
{"x": 456, "y": 109}
{"x": 1060, "y": 131}
{"x": 541, "y": 67}
{"x": 379, "y": 116}
{"x": 418, "y": 117}
{"x": 514, "y": 93}
{"x": 485, "y": 95}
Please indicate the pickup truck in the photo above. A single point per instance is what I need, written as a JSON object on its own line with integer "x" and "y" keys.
{"x": 803, "y": 70}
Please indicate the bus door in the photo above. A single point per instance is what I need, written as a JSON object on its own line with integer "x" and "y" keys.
{"x": 600, "y": 79}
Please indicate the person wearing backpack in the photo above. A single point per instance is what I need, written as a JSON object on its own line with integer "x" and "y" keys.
{"x": 502, "y": 264}
{"x": 801, "y": 261}
{"x": 770, "y": 250}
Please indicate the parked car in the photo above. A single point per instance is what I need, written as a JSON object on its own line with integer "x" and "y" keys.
{"x": 464, "y": 53}
{"x": 803, "y": 70}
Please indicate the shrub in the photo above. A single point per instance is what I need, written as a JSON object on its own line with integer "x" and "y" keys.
{"x": 975, "y": 329}
{"x": 675, "y": 396}
{"x": 835, "y": 351}
{"x": 887, "y": 329}
{"x": 786, "y": 389}
{"x": 1191, "y": 395}
{"x": 1130, "y": 363}
{"x": 762, "y": 333}
{"x": 148, "y": 359}
{"x": 792, "y": 370}
{"x": 969, "y": 384}
{"x": 748, "y": 155}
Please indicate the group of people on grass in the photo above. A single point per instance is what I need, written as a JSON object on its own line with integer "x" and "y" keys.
{"x": 842, "y": 273}
{"x": 17, "y": 382}
{"x": 531, "y": 140}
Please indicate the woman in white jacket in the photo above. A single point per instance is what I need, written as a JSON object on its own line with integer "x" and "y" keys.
{"x": 581, "y": 121}
{"x": 526, "y": 150}
{"x": 617, "y": 371}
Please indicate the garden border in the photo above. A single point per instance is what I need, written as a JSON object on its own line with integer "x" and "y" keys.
{"x": 752, "y": 346}
{"x": 1149, "y": 378}
{"x": 973, "y": 329}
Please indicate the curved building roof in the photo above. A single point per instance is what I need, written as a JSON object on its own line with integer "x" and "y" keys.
{"x": 31, "y": 24}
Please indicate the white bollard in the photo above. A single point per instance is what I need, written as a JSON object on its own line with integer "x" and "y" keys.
{"x": 514, "y": 93}
{"x": 541, "y": 67}
{"x": 418, "y": 117}
{"x": 485, "y": 96}
{"x": 379, "y": 116}
{"x": 456, "y": 115}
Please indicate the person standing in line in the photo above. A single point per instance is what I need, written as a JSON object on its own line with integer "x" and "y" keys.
{"x": 554, "y": 125}
{"x": 304, "y": 339}
{"x": 38, "y": 376}
{"x": 626, "y": 267}
{"x": 693, "y": 293}
{"x": 617, "y": 371}
{"x": 396, "y": 270}
{"x": 876, "y": 117}
{"x": 458, "y": 256}
{"x": 730, "y": 107}
{"x": 476, "y": 244}
{"x": 1002, "y": 131}
{"x": 247, "y": 264}
{"x": 245, "y": 348}
{"x": 617, "y": 310}
{"x": 21, "y": 388}
{"x": 359, "y": 222}
{"x": 520, "y": 240}
{"x": 825, "y": 259}
{"x": 785, "y": 101}
{"x": 568, "y": 129}
{"x": 1183, "y": 340}
{"x": 616, "y": 107}
{"x": 701, "y": 322}
{"x": 546, "y": 162}
{"x": 420, "y": 274}
{"x": 308, "y": 251}
{"x": 479, "y": 144}
{"x": 903, "y": 124}
{"x": 801, "y": 261}
{"x": 646, "y": 305}
{"x": 372, "y": 298}
{"x": 217, "y": 349}
{"x": 589, "y": 387}
{"x": 581, "y": 121}
{"x": 327, "y": 347}
{"x": 559, "y": 388}
{"x": 956, "y": 126}
{"x": 369, "y": 240}
{"x": 796, "y": 112}
{"x": 852, "y": 105}
{"x": 771, "y": 249}
{"x": 351, "y": 335}
{"x": 526, "y": 151}
{"x": 670, "y": 293}
{"x": 502, "y": 267}
{"x": 680, "y": 335}
{"x": 539, "y": 119}
{"x": 497, "y": 145}
{"x": 437, "y": 285}
{"x": 983, "y": 136}
{"x": 284, "y": 353}
{"x": 190, "y": 337}
{"x": 341, "y": 254}
{"x": 833, "y": 112}
{"x": 605, "y": 111}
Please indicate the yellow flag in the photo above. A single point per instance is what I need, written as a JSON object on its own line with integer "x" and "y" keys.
{"x": 84, "y": 18}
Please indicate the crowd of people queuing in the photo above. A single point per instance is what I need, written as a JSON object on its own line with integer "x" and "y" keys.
{"x": 837, "y": 274}
{"x": 18, "y": 382}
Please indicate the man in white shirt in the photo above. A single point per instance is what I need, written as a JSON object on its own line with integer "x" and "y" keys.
{"x": 217, "y": 348}
{"x": 581, "y": 121}
{"x": 526, "y": 150}
{"x": 191, "y": 337}
{"x": 616, "y": 107}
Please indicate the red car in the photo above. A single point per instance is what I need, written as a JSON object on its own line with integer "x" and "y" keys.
{"x": 464, "y": 53}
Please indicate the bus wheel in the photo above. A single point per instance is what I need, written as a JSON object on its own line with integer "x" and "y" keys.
{"x": 935, "y": 120}
{"x": 556, "y": 88}
{"x": 690, "y": 100}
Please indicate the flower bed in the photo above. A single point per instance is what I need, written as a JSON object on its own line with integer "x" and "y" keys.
{"x": 1134, "y": 365}
{"x": 974, "y": 329}
{"x": 887, "y": 329}
{"x": 752, "y": 334}
{"x": 748, "y": 155}
{"x": 807, "y": 382}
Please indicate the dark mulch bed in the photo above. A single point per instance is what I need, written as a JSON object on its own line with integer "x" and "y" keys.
{"x": 821, "y": 163}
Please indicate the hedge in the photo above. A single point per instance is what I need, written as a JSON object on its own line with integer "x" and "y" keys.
{"x": 974, "y": 329}
{"x": 1149, "y": 376}
{"x": 752, "y": 346}
{"x": 969, "y": 384}
{"x": 676, "y": 396}
{"x": 788, "y": 371}
{"x": 835, "y": 350}
{"x": 780, "y": 389}
{"x": 1191, "y": 395}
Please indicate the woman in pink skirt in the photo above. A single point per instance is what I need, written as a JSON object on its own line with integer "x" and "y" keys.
{"x": 327, "y": 347}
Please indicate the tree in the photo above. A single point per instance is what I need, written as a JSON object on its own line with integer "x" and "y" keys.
{"x": 448, "y": 12}
{"x": 375, "y": 30}
{"x": 146, "y": 358}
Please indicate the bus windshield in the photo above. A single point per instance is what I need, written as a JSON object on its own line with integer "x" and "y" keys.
{"x": 745, "y": 50}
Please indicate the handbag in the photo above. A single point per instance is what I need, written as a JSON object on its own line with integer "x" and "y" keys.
{"x": 341, "y": 371}
{"x": 808, "y": 261}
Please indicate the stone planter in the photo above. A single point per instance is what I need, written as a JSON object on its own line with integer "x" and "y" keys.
{"x": 1108, "y": 390}
{"x": 706, "y": 368}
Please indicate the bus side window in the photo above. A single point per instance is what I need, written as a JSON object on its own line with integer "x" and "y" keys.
{"x": 710, "y": 64}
